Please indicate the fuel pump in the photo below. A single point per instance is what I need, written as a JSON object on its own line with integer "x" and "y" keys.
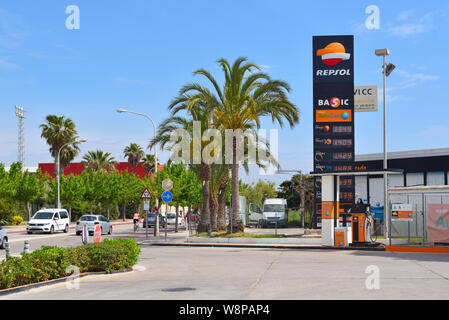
{"x": 359, "y": 222}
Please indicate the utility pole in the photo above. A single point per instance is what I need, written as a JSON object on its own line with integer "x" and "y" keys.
{"x": 20, "y": 113}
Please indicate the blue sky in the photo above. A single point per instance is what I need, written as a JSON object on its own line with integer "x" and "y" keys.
{"x": 137, "y": 54}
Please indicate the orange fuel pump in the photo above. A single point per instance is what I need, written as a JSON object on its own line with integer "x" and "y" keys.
{"x": 359, "y": 222}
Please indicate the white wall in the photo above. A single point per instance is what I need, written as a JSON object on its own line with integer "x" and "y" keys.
{"x": 395, "y": 180}
{"x": 415, "y": 179}
{"x": 360, "y": 187}
{"x": 435, "y": 178}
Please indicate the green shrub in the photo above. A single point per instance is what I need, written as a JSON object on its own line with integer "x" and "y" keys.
{"x": 51, "y": 262}
{"x": 79, "y": 257}
{"x": 113, "y": 255}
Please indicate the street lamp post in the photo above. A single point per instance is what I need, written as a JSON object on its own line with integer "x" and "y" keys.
{"x": 156, "y": 227}
{"x": 58, "y": 165}
{"x": 386, "y": 71}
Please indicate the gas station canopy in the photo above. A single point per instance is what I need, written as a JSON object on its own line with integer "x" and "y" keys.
{"x": 357, "y": 173}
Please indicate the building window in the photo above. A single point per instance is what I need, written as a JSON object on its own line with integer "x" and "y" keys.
{"x": 395, "y": 180}
{"x": 435, "y": 178}
{"x": 415, "y": 179}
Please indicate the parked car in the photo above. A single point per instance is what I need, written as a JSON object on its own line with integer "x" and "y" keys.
{"x": 171, "y": 219}
{"x": 152, "y": 220}
{"x": 3, "y": 237}
{"x": 92, "y": 220}
{"x": 255, "y": 215}
{"x": 49, "y": 220}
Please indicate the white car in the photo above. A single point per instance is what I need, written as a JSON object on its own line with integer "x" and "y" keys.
{"x": 171, "y": 219}
{"x": 91, "y": 220}
{"x": 3, "y": 237}
{"x": 49, "y": 220}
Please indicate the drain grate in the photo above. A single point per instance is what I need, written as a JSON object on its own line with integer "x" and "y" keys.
{"x": 178, "y": 289}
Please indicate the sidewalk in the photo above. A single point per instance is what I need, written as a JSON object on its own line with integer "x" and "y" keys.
{"x": 182, "y": 239}
{"x": 22, "y": 228}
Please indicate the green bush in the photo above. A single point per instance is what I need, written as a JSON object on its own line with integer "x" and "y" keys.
{"x": 51, "y": 262}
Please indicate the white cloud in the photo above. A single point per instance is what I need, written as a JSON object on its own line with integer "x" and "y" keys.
{"x": 11, "y": 32}
{"x": 414, "y": 79}
{"x": 404, "y": 15}
{"x": 9, "y": 65}
{"x": 408, "y": 25}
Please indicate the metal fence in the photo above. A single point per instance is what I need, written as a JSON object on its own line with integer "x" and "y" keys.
{"x": 414, "y": 232}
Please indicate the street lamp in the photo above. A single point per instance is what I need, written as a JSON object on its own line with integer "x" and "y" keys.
{"x": 58, "y": 165}
{"x": 386, "y": 71}
{"x": 120, "y": 110}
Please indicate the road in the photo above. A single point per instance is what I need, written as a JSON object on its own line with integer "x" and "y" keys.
{"x": 227, "y": 273}
{"x": 197, "y": 273}
{"x": 70, "y": 239}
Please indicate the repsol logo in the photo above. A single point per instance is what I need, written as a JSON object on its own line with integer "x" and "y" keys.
{"x": 330, "y": 72}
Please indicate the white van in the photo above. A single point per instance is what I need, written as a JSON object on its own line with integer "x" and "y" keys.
{"x": 275, "y": 213}
{"x": 49, "y": 220}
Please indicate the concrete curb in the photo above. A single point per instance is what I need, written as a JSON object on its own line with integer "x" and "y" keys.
{"x": 265, "y": 246}
{"x": 55, "y": 281}
{"x": 274, "y": 241}
{"x": 70, "y": 228}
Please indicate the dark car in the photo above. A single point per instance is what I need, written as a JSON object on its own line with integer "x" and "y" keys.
{"x": 152, "y": 220}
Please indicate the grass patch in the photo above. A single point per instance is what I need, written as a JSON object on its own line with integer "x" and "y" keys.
{"x": 238, "y": 235}
{"x": 294, "y": 217}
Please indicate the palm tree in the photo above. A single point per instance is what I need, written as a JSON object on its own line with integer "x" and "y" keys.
{"x": 202, "y": 170}
{"x": 149, "y": 163}
{"x": 98, "y": 160}
{"x": 246, "y": 97}
{"x": 134, "y": 153}
{"x": 59, "y": 131}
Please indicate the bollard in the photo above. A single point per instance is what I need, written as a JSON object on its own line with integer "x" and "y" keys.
{"x": 26, "y": 247}
{"x": 7, "y": 250}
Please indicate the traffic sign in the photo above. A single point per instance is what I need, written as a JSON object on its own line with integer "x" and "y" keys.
{"x": 146, "y": 205}
{"x": 167, "y": 184}
{"x": 146, "y": 194}
{"x": 167, "y": 196}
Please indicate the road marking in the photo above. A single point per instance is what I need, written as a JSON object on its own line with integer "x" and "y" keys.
{"x": 139, "y": 268}
{"x": 31, "y": 237}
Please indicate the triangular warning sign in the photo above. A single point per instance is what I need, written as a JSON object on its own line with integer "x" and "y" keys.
{"x": 146, "y": 194}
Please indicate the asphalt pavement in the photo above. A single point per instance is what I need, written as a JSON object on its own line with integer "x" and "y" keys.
{"x": 169, "y": 273}
{"x": 238, "y": 273}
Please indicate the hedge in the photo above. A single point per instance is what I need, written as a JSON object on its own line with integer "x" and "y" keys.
{"x": 50, "y": 263}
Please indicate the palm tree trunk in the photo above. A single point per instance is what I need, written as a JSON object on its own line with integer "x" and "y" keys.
{"x": 213, "y": 211}
{"x": 124, "y": 212}
{"x": 237, "y": 225}
{"x": 222, "y": 204}
{"x": 204, "y": 225}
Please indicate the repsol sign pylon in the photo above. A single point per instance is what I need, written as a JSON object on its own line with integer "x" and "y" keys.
{"x": 333, "y": 115}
